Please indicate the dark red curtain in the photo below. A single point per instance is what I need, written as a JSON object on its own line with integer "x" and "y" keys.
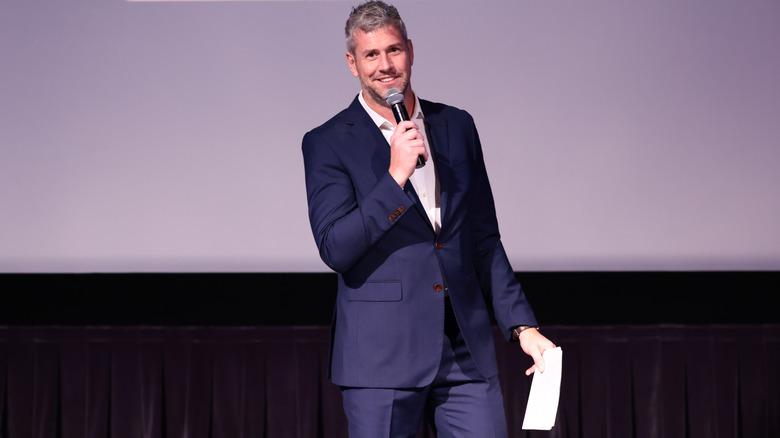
{"x": 155, "y": 382}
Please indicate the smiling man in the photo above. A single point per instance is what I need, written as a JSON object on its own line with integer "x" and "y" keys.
{"x": 419, "y": 259}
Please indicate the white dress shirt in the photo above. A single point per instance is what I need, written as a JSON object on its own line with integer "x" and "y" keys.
{"x": 424, "y": 179}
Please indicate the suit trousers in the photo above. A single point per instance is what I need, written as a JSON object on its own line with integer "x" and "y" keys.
{"x": 459, "y": 403}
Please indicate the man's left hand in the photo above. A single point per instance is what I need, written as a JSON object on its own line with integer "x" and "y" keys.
{"x": 534, "y": 344}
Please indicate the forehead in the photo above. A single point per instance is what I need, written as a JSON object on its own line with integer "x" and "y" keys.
{"x": 377, "y": 39}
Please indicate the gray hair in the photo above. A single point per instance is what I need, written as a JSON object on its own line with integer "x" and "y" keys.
{"x": 370, "y": 16}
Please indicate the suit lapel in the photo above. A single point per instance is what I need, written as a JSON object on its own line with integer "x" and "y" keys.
{"x": 436, "y": 127}
{"x": 367, "y": 138}
{"x": 362, "y": 127}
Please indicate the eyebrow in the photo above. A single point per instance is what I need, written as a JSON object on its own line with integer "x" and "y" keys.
{"x": 391, "y": 46}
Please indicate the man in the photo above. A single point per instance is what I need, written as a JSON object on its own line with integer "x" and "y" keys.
{"x": 417, "y": 251}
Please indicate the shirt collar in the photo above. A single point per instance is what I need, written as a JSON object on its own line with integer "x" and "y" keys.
{"x": 380, "y": 121}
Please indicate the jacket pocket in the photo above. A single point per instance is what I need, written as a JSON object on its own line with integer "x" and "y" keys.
{"x": 375, "y": 291}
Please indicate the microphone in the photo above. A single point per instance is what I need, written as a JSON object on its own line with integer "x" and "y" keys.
{"x": 395, "y": 99}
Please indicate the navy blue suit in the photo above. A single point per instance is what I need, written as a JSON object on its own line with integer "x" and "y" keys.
{"x": 388, "y": 326}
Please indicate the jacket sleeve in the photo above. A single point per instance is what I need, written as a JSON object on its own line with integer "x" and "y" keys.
{"x": 346, "y": 223}
{"x": 497, "y": 278}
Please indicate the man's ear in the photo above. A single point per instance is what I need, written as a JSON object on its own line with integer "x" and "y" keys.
{"x": 351, "y": 63}
{"x": 411, "y": 52}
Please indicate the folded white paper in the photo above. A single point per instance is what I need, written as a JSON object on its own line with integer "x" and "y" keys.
{"x": 545, "y": 392}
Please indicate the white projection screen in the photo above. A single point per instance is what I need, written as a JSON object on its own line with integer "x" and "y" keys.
{"x": 165, "y": 136}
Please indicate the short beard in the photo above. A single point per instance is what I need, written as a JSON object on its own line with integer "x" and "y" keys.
{"x": 376, "y": 97}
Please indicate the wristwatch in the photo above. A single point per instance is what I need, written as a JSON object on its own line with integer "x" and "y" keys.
{"x": 519, "y": 329}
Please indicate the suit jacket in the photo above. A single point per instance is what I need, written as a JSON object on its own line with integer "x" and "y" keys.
{"x": 388, "y": 324}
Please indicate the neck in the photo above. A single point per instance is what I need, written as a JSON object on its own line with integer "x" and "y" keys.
{"x": 384, "y": 110}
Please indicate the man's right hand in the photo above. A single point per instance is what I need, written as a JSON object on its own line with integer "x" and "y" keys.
{"x": 406, "y": 144}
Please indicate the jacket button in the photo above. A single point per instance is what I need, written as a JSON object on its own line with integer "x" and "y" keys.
{"x": 437, "y": 287}
{"x": 439, "y": 245}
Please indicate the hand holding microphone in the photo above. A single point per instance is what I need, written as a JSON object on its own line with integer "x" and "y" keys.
{"x": 395, "y": 99}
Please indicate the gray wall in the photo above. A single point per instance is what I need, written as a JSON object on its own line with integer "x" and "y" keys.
{"x": 165, "y": 136}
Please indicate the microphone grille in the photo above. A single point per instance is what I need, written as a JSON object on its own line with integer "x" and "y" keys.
{"x": 394, "y": 96}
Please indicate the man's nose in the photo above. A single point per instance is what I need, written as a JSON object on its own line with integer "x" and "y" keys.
{"x": 384, "y": 62}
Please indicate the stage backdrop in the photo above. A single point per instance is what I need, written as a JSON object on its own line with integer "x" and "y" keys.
{"x": 646, "y": 355}
{"x": 154, "y": 382}
{"x": 165, "y": 136}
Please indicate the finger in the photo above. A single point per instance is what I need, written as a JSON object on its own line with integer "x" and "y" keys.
{"x": 411, "y": 137}
{"x": 531, "y": 370}
{"x": 538, "y": 361}
{"x": 406, "y": 125}
{"x": 424, "y": 153}
{"x": 417, "y": 145}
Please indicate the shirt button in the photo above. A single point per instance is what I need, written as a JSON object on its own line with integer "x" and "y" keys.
{"x": 437, "y": 287}
{"x": 439, "y": 245}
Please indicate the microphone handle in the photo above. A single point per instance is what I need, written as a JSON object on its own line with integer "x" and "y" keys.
{"x": 399, "y": 111}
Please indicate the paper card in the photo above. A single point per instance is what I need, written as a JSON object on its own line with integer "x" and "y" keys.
{"x": 545, "y": 392}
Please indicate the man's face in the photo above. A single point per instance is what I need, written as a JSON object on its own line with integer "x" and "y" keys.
{"x": 382, "y": 60}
